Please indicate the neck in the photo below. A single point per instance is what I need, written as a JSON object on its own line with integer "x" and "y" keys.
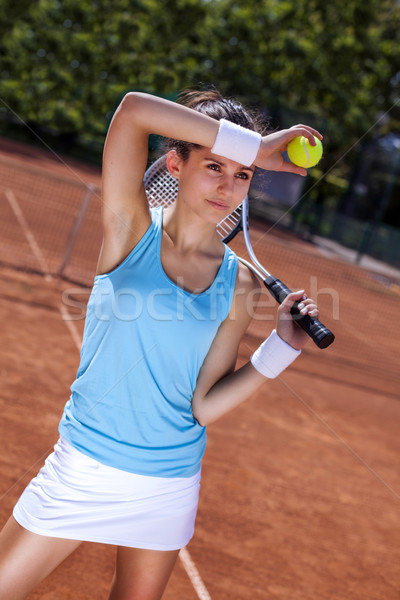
{"x": 188, "y": 232}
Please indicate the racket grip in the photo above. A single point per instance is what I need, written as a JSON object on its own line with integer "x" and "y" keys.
{"x": 320, "y": 334}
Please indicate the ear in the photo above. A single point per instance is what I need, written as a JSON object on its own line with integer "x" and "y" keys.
{"x": 174, "y": 163}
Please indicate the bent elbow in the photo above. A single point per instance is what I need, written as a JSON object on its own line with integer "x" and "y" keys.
{"x": 129, "y": 102}
{"x": 137, "y": 108}
{"x": 134, "y": 101}
{"x": 200, "y": 420}
{"x": 204, "y": 419}
{"x": 198, "y": 414}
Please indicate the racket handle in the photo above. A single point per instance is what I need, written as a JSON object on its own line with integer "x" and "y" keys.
{"x": 314, "y": 328}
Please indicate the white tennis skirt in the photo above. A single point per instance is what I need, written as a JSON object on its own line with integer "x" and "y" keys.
{"x": 76, "y": 497}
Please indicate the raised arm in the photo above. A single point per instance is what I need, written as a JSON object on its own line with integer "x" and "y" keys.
{"x": 125, "y": 213}
{"x": 126, "y": 147}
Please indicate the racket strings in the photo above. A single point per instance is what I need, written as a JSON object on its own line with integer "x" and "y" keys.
{"x": 227, "y": 225}
{"x": 161, "y": 188}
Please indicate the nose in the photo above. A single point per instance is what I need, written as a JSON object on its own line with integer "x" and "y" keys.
{"x": 226, "y": 186}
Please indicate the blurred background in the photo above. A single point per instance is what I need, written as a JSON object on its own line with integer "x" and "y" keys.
{"x": 299, "y": 499}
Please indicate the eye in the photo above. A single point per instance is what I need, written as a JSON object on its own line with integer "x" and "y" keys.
{"x": 214, "y": 167}
{"x": 243, "y": 175}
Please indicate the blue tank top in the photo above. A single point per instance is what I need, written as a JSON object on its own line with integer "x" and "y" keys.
{"x": 144, "y": 341}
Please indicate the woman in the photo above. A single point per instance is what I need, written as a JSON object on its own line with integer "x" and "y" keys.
{"x": 168, "y": 309}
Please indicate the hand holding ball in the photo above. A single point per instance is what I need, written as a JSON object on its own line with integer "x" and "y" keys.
{"x": 302, "y": 154}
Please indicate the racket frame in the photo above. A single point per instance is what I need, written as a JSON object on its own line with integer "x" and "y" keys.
{"x": 158, "y": 176}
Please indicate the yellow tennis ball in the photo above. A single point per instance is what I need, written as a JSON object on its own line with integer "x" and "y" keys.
{"x": 302, "y": 154}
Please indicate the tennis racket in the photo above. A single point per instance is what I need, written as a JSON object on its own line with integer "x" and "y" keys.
{"x": 162, "y": 189}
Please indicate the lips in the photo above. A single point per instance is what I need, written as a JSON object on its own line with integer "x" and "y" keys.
{"x": 218, "y": 204}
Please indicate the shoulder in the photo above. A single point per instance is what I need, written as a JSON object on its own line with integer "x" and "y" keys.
{"x": 246, "y": 282}
{"x": 118, "y": 244}
{"x": 246, "y": 294}
{"x": 246, "y": 279}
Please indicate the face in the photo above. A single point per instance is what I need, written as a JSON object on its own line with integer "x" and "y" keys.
{"x": 212, "y": 186}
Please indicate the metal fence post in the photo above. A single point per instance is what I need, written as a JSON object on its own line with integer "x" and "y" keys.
{"x": 373, "y": 226}
{"x": 76, "y": 227}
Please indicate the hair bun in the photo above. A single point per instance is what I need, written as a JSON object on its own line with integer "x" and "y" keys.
{"x": 192, "y": 98}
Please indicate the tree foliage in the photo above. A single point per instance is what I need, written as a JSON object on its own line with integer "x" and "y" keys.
{"x": 66, "y": 63}
{"x": 337, "y": 62}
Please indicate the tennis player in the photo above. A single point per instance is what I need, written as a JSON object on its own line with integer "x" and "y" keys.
{"x": 169, "y": 306}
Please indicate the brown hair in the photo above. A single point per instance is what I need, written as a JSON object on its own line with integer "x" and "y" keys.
{"x": 211, "y": 103}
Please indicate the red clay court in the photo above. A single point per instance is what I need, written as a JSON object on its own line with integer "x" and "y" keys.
{"x": 300, "y": 494}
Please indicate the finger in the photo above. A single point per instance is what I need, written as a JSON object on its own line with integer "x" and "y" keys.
{"x": 308, "y": 132}
{"x": 308, "y": 307}
{"x": 311, "y": 309}
{"x": 307, "y": 301}
{"x": 309, "y": 135}
{"x": 289, "y": 167}
{"x": 290, "y": 300}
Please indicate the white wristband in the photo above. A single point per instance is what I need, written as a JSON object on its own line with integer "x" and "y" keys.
{"x": 236, "y": 143}
{"x": 273, "y": 356}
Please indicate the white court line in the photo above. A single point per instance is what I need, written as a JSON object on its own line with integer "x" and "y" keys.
{"x": 28, "y": 233}
{"x": 194, "y": 575}
{"x": 187, "y": 561}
